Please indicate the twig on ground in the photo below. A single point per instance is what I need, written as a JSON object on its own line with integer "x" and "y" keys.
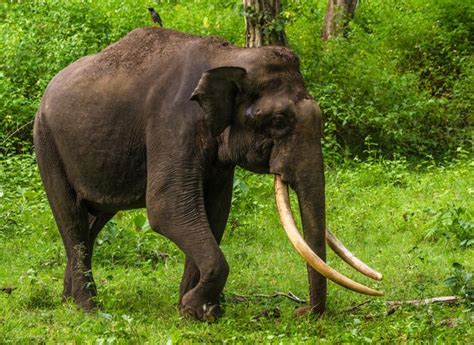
{"x": 391, "y": 305}
{"x": 443, "y": 299}
{"x": 394, "y": 305}
{"x": 356, "y": 307}
{"x": 290, "y": 295}
{"x": 295, "y": 298}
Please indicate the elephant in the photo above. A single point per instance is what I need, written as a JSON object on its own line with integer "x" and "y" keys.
{"x": 159, "y": 120}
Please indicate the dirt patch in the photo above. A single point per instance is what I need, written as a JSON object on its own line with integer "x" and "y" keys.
{"x": 8, "y": 290}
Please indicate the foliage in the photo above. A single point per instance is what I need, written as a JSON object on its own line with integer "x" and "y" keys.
{"x": 21, "y": 193}
{"x": 452, "y": 220}
{"x": 39, "y": 38}
{"x": 402, "y": 78}
{"x": 377, "y": 208}
{"x": 461, "y": 282}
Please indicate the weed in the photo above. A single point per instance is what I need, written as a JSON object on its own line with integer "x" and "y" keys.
{"x": 451, "y": 221}
{"x": 39, "y": 295}
{"x": 461, "y": 283}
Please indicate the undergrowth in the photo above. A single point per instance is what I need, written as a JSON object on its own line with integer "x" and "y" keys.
{"x": 383, "y": 211}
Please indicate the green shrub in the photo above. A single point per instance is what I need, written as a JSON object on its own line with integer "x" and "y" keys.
{"x": 452, "y": 221}
{"x": 402, "y": 77}
{"x": 39, "y": 38}
{"x": 460, "y": 282}
{"x": 21, "y": 196}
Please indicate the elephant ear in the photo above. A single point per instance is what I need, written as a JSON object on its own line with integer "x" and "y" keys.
{"x": 215, "y": 93}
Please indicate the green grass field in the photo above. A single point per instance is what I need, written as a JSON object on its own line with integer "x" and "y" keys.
{"x": 410, "y": 222}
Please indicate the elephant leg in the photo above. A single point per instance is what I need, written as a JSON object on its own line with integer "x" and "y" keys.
{"x": 189, "y": 280}
{"x": 200, "y": 246}
{"x": 96, "y": 224}
{"x": 78, "y": 281}
{"x": 202, "y": 301}
{"x": 186, "y": 224}
{"x": 217, "y": 197}
{"x": 71, "y": 217}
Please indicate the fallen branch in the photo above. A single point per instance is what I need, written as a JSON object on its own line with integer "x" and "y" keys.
{"x": 443, "y": 299}
{"x": 394, "y": 305}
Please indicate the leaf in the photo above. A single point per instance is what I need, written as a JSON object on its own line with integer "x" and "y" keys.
{"x": 139, "y": 220}
{"x": 450, "y": 281}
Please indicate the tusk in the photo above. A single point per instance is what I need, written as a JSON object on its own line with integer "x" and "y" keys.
{"x": 288, "y": 222}
{"x": 350, "y": 258}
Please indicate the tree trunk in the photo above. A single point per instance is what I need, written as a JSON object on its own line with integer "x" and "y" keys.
{"x": 338, "y": 15}
{"x": 264, "y": 24}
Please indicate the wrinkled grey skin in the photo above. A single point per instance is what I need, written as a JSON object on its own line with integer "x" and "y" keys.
{"x": 159, "y": 120}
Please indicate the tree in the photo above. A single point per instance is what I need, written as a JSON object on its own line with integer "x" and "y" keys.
{"x": 264, "y": 23}
{"x": 338, "y": 15}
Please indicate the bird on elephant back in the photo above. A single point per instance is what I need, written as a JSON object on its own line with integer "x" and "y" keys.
{"x": 160, "y": 119}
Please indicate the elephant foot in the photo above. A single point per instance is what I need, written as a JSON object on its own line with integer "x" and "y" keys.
{"x": 85, "y": 298}
{"x": 80, "y": 288}
{"x": 197, "y": 309}
{"x": 87, "y": 305}
{"x": 301, "y": 311}
{"x": 208, "y": 312}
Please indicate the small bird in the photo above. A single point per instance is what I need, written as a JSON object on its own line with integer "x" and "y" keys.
{"x": 155, "y": 16}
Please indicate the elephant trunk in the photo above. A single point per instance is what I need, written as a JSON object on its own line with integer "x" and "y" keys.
{"x": 310, "y": 190}
{"x": 312, "y": 248}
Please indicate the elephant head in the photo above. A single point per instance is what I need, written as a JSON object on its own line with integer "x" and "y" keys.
{"x": 265, "y": 121}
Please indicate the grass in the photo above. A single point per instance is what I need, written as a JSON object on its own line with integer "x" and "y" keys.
{"x": 407, "y": 222}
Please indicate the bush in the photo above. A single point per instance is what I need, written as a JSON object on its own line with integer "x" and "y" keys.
{"x": 39, "y": 38}
{"x": 452, "y": 221}
{"x": 402, "y": 79}
{"x": 461, "y": 283}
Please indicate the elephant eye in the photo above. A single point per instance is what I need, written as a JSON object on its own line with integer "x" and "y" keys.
{"x": 278, "y": 122}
